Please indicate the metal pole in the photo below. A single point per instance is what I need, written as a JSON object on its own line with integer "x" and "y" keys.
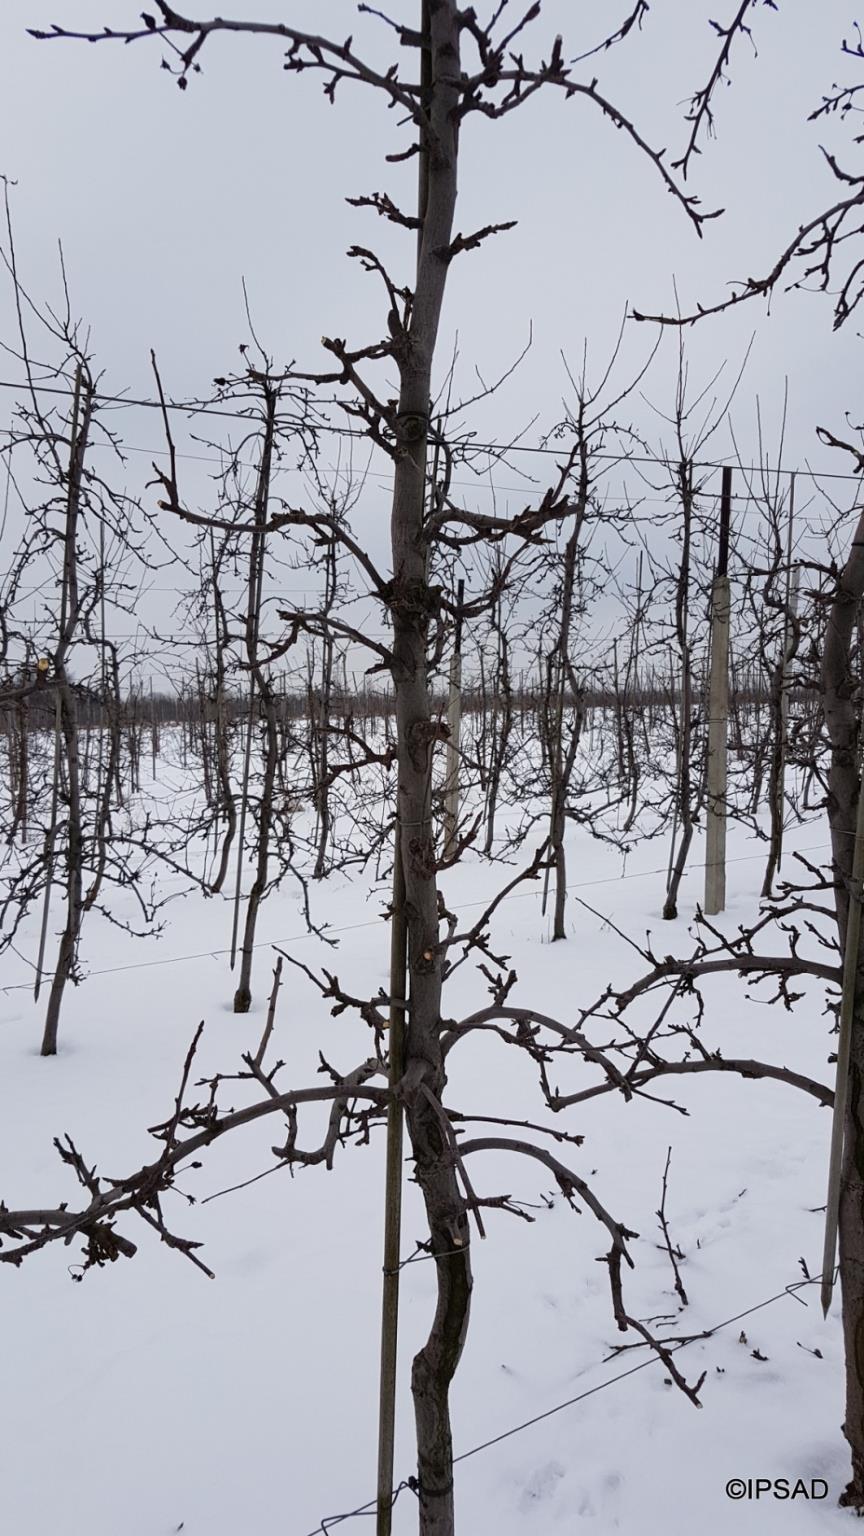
{"x": 718, "y": 714}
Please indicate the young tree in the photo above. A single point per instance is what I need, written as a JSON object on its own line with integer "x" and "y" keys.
{"x": 466, "y": 70}
{"x": 79, "y": 527}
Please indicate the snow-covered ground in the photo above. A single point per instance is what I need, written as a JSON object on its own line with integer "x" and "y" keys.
{"x": 148, "y": 1399}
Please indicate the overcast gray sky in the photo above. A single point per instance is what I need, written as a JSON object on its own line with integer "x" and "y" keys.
{"x": 165, "y": 200}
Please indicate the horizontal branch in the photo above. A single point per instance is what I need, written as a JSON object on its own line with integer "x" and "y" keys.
{"x": 743, "y": 1067}
{"x": 822, "y": 233}
{"x": 740, "y": 965}
{"x": 139, "y": 1189}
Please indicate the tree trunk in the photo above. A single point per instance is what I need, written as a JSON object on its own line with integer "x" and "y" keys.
{"x": 74, "y": 856}
{"x": 261, "y": 689}
{"x": 683, "y": 787}
{"x": 843, "y": 726}
{"x": 412, "y": 603}
{"x": 68, "y": 719}
{"x": 264, "y": 822}
{"x": 561, "y": 762}
{"x": 225, "y": 804}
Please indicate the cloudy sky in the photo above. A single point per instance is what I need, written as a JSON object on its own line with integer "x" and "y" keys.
{"x": 165, "y": 201}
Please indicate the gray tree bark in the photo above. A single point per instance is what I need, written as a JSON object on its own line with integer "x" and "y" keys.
{"x": 412, "y": 604}
{"x": 843, "y": 725}
{"x": 68, "y": 723}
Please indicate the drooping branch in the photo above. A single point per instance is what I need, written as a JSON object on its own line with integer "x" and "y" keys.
{"x": 571, "y": 1184}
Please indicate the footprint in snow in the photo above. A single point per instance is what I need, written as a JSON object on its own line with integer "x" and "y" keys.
{"x": 541, "y": 1485}
{"x": 587, "y": 1509}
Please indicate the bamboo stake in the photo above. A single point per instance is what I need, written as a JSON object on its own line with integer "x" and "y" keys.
{"x": 844, "y": 1047}
{"x": 674, "y": 713}
{"x": 718, "y": 714}
{"x": 103, "y": 671}
{"x": 392, "y": 1197}
{"x": 791, "y": 602}
{"x": 454, "y": 726}
{"x": 398, "y": 990}
{"x": 153, "y": 735}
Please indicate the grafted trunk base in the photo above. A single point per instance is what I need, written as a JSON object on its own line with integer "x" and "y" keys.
{"x": 431, "y": 1375}
{"x": 852, "y": 1496}
{"x": 851, "y": 1257}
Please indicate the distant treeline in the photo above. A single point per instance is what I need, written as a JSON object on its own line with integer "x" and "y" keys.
{"x": 141, "y": 707}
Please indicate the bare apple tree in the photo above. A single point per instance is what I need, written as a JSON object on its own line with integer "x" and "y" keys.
{"x": 467, "y": 69}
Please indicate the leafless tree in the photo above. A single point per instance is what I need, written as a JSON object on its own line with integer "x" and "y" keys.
{"x": 76, "y": 525}
{"x": 466, "y": 69}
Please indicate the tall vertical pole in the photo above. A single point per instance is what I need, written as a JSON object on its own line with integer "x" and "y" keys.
{"x": 398, "y": 990}
{"x": 454, "y": 726}
{"x": 718, "y": 713}
{"x": 392, "y": 1196}
{"x": 678, "y": 735}
{"x": 103, "y": 679}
